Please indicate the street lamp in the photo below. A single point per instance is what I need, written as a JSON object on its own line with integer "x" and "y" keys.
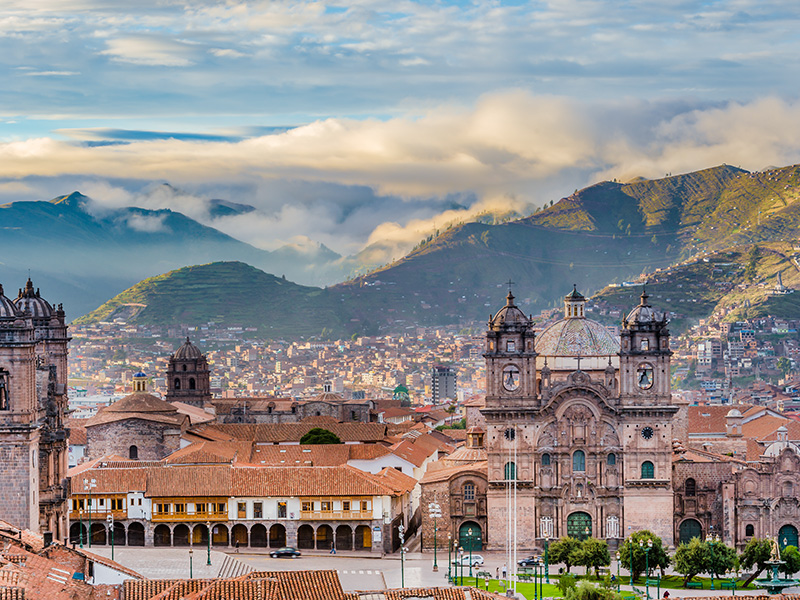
{"x": 710, "y": 542}
{"x": 449, "y": 556}
{"x": 191, "y": 556}
{"x": 461, "y": 562}
{"x": 586, "y": 532}
{"x": 647, "y": 567}
{"x": 80, "y": 522}
{"x": 110, "y": 521}
{"x": 208, "y": 524}
{"x": 630, "y": 553}
{"x": 402, "y": 530}
{"x": 469, "y": 539}
{"x": 546, "y": 561}
{"x": 435, "y": 511}
{"x": 87, "y": 487}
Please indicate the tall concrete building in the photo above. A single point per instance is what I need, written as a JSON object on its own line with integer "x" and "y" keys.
{"x": 33, "y": 400}
{"x": 443, "y": 383}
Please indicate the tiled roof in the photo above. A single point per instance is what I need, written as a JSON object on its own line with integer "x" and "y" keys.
{"x": 304, "y": 585}
{"x": 195, "y": 413}
{"x": 443, "y": 474}
{"x": 398, "y": 481}
{"x": 573, "y": 337}
{"x": 367, "y": 451}
{"x": 302, "y": 455}
{"x": 413, "y": 453}
{"x": 111, "y": 481}
{"x": 710, "y": 419}
{"x": 189, "y": 480}
{"x": 308, "y": 481}
{"x": 290, "y": 432}
{"x": 211, "y": 452}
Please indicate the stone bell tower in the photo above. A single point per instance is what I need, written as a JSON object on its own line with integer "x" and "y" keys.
{"x": 188, "y": 376}
{"x": 647, "y": 409}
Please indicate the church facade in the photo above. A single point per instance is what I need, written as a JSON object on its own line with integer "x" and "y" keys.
{"x": 33, "y": 401}
{"x": 579, "y": 427}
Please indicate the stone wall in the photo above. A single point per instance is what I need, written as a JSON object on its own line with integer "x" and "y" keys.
{"x": 153, "y": 440}
{"x": 19, "y": 477}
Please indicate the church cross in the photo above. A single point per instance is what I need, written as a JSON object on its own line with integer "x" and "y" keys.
{"x": 578, "y": 358}
{"x": 510, "y": 283}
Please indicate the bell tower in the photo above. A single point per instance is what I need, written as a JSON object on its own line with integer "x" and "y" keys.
{"x": 188, "y": 376}
{"x": 646, "y": 405}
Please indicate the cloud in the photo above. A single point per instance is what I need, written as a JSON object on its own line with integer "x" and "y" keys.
{"x": 149, "y": 50}
{"x": 348, "y": 183}
{"x": 147, "y": 223}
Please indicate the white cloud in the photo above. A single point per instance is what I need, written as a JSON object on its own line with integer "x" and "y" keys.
{"x": 226, "y": 53}
{"x": 151, "y": 51}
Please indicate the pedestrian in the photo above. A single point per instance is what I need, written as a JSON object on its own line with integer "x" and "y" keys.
{"x": 237, "y": 546}
{"x": 333, "y": 548}
{"x": 666, "y": 593}
{"x": 497, "y": 573}
{"x": 505, "y": 570}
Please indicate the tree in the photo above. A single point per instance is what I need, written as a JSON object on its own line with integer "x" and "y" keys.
{"x": 755, "y": 555}
{"x": 784, "y": 366}
{"x": 657, "y": 557}
{"x": 566, "y": 583}
{"x": 593, "y": 553}
{"x": 722, "y": 559}
{"x": 691, "y": 559}
{"x": 320, "y": 436}
{"x": 564, "y": 551}
{"x": 791, "y": 556}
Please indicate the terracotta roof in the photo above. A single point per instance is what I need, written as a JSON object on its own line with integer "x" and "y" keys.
{"x": 308, "y": 481}
{"x": 367, "y": 451}
{"x": 304, "y": 585}
{"x": 464, "y": 455}
{"x": 413, "y": 453}
{"x": 397, "y": 480}
{"x": 111, "y": 480}
{"x": 710, "y": 419}
{"x": 444, "y": 473}
{"x": 189, "y": 480}
{"x": 195, "y": 413}
{"x": 77, "y": 432}
{"x": 301, "y": 455}
{"x": 290, "y": 432}
{"x": 208, "y": 452}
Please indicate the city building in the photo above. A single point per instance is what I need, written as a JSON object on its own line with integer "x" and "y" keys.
{"x": 443, "y": 384}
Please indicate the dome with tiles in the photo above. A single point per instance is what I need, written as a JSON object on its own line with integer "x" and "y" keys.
{"x": 188, "y": 351}
{"x": 575, "y": 335}
{"x": 510, "y": 316}
{"x": 8, "y": 309}
{"x": 29, "y": 300}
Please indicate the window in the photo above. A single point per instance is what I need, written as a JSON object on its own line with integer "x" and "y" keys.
{"x": 184, "y": 367}
{"x": 102, "y": 501}
{"x": 281, "y": 510}
{"x": 510, "y": 471}
{"x": 132, "y": 502}
{"x": 749, "y": 530}
{"x": 511, "y": 346}
{"x": 645, "y": 345}
{"x": 364, "y": 505}
{"x": 354, "y": 416}
{"x": 545, "y": 460}
{"x": 162, "y": 509}
{"x": 691, "y": 487}
{"x": 307, "y": 506}
{"x": 117, "y": 503}
{"x": 648, "y": 470}
{"x": 579, "y": 461}
{"x": 192, "y": 384}
{"x": 219, "y": 508}
{"x": 258, "y": 510}
{"x": 177, "y": 383}
{"x": 133, "y": 453}
{"x": 4, "y": 387}
{"x": 77, "y": 504}
{"x": 346, "y": 505}
{"x": 611, "y": 460}
{"x": 469, "y": 492}
{"x": 200, "y": 508}
{"x": 326, "y": 506}
{"x": 180, "y": 508}
{"x": 241, "y": 510}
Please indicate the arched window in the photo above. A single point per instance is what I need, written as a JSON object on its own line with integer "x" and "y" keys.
{"x": 184, "y": 367}
{"x": 133, "y": 453}
{"x": 545, "y": 460}
{"x": 177, "y": 383}
{"x": 691, "y": 487}
{"x": 510, "y": 471}
{"x": 749, "y": 530}
{"x": 579, "y": 461}
{"x": 788, "y": 489}
{"x": 192, "y": 384}
{"x": 648, "y": 470}
{"x": 4, "y": 386}
{"x": 469, "y": 492}
{"x": 611, "y": 460}
{"x": 645, "y": 345}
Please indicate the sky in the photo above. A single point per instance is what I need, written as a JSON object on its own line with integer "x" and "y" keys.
{"x": 374, "y": 122}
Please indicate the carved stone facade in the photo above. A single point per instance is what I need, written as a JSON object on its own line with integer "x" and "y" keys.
{"x": 33, "y": 401}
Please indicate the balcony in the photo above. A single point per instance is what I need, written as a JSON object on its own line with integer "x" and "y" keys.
{"x": 335, "y": 515}
{"x": 97, "y": 514}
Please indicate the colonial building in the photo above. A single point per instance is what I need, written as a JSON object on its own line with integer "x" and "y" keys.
{"x": 33, "y": 400}
{"x": 188, "y": 376}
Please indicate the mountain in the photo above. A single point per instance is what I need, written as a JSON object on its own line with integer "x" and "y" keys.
{"x": 230, "y": 292}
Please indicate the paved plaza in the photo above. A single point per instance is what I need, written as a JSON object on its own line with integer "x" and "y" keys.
{"x": 356, "y": 572}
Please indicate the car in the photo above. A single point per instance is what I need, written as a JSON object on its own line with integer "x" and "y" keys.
{"x": 285, "y": 553}
{"x": 528, "y": 562}
{"x": 477, "y": 560}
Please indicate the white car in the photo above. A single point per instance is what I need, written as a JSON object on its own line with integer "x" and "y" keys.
{"x": 477, "y": 560}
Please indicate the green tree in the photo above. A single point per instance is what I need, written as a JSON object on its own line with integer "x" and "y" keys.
{"x": 564, "y": 551}
{"x": 784, "y": 366}
{"x": 320, "y": 436}
{"x": 755, "y": 555}
{"x": 691, "y": 559}
{"x": 721, "y": 559}
{"x": 658, "y": 557}
{"x": 566, "y": 583}
{"x": 791, "y": 556}
{"x": 593, "y": 553}
{"x": 586, "y": 591}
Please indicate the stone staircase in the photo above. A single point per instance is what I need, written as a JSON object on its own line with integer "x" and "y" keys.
{"x": 233, "y": 567}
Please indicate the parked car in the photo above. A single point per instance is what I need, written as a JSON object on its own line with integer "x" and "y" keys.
{"x": 285, "y": 553}
{"x": 529, "y": 562}
{"x": 477, "y": 560}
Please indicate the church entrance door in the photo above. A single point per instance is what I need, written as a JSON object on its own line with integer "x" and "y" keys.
{"x": 689, "y": 529}
{"x": 467, "y": 540}
{"x": 579, "y": 525}
{"x": 789, "y": 534}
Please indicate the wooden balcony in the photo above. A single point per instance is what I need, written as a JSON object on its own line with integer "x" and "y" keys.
{"x": 335, "y": 515}
{"x": 188, "y": 514}
{"x": 97, "y": 514}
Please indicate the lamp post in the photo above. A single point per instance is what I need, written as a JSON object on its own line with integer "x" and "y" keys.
{"x": 449, "y": 556}
{"x": 546, "y": 561}
{"x": 469, "y": 540}
{"x": 88, "y": 484}
{"x": 80, "y": 521}
{"x": 191, "y": 556}
{"x": 434, "y": 511}
{"x": 401, "y": 531}
{"x": 647, "y": 568}
{"x": 618, "y": 572}
{"x": 110, "y": 521}
{"x": 630, "y": 552}
{"x": 710, "y": 542}
{"x": 461, "y": 562}
{"x": 208, "y": 524}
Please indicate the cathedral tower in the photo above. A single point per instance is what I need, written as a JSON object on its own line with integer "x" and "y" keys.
{"x": 188, "y": 376}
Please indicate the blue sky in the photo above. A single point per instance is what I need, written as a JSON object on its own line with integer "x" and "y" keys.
{"x": 373, "y": 121}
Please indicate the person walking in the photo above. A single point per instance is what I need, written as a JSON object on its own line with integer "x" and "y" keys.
{"x": 497, "y": 573}
{"x": 505, "y": 571}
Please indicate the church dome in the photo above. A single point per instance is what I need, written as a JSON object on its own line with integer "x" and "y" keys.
{"x": 29, "y": 300}
{"x": 576, "y": 337}
{"x": 734, "y": 413}
{"x": 188, "y": 351}
{"x": 8, "y": 309}
{"x": 509, "y": 316}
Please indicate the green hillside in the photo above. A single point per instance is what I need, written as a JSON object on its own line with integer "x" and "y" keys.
{"x": 225, "y": 292}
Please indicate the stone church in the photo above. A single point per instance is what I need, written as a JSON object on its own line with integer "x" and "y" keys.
{"x": 33, "y": 401}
